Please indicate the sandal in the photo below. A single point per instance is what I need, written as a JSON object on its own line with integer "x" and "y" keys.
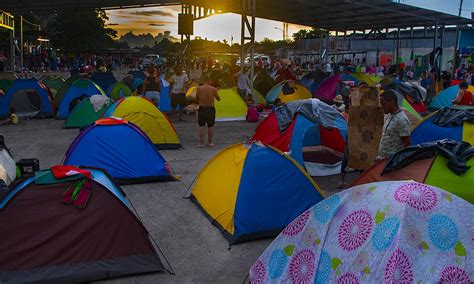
{"x": 201, "y": 146}
{"x": 210, "y": 145}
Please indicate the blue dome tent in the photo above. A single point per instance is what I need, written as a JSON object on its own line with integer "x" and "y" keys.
{"x": 29, "y": 98}
{"x": 120, "y": 148}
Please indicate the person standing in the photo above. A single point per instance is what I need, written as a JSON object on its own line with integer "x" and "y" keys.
{"x": 205, "y": 96}
{"x": 431, "y": 85}
{"x": 396, "y": 127}
{"x": 210, "y": 63}
{"x": 3, "y": 61}
{"x": 178, "y": 91}
{"x": 243, "y": 83}
{"x": 151, "y": 86}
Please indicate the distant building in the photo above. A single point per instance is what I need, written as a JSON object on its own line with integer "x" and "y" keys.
{"x": 379, "y": 47}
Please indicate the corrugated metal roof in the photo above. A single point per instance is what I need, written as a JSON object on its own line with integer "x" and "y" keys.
{"x": 342, "y": 15}
{"x": 334, "y": 15}
{"x": 22, "y": 6}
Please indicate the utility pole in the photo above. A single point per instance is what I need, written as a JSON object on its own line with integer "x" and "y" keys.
{"x": 460, "y": 8}
{"x": 21, "y": 45}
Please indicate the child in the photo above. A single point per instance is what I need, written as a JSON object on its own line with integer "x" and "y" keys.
{"x": 249, "y": 100}
{"x": 252, "y": 113}
{"x": 14, "y": 120}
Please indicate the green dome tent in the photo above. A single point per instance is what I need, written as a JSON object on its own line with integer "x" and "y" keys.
{"x": 119, "y": 90}
{"x": 84, "y": 114}
{"x": 54, "y": 83}
{"x": 263, "y": 82}
{"x": 5, "y": 84}
{"x": 60, "y": 93}
{"x": 8, "y": 75}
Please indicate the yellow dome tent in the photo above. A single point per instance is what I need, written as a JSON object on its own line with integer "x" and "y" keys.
{"x": 149, "y": 118}
{"x": 231, "y": 107}
{"x": 298, "y": 92}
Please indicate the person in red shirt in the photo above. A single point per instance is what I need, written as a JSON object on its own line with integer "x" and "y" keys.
{"x": 464, "y": 97}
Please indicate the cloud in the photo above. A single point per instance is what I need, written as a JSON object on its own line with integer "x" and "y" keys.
{"x": 152, "y": 13}
{"x": 157, "y": 25}
{"x": 112, "y": 24}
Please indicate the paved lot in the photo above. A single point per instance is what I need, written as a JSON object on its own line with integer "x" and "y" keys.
{"x": 196, "y": 250}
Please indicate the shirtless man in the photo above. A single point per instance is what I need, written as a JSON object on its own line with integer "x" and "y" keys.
{"x": 205, "y": 95}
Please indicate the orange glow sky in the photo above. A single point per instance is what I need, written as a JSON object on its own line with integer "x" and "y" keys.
{"x": 218, "y": 27}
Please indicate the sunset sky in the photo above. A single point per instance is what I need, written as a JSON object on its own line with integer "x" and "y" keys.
{"x": 227, "y": 26}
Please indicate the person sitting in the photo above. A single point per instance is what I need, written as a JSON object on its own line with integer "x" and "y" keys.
{"x": 151, "y": 86}
{"x": 249, "y": 100}
{"x": 277, "y": 103}
{"x": 13, "y": 119}
{"x": 464, "y": 97}
{"x": 252, "y": 112}
{"x": 287, "y": 88}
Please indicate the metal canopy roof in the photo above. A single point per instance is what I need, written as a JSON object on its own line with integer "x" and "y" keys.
{"x": 26, "y": 6}
{"x": 340, "y": 15}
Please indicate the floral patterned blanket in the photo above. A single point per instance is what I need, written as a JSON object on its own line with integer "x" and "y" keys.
{"x": 386, "y": 232}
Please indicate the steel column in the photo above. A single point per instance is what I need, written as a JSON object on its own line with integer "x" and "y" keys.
{"x": 441, "y": 37}
{"x": 21, "y": 45}
{"x": 12, "y": 50}
{"x": 249, "y": 8}
{"x": 397, "y": 54}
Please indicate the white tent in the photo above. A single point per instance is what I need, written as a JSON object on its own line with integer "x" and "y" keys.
{"x": 7, "y": 166}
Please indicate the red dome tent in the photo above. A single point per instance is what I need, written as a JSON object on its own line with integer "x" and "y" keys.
{"x": 314, "y": 135}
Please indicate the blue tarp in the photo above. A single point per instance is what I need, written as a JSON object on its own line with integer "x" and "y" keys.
{"x": 427, "y": 131}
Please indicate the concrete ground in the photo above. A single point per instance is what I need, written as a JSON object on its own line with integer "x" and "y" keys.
{"x": 196, "y": 249}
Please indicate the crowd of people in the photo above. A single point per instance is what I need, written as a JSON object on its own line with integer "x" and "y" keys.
{"x": 396, "y": 126}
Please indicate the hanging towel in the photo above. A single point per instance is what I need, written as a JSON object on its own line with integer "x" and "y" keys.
{"x": 60, "y": 172}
